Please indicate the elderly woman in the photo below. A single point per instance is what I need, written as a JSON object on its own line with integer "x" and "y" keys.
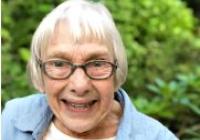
{"x": 78, "y": 63}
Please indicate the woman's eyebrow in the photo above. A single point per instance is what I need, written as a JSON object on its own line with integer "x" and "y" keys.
{"x": 87, "y": 55}
{"x": 59, "y": 54}
{"x": 97, "y": 55}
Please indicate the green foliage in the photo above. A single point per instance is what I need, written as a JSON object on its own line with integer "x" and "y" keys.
{"x": 19, "y": 20}
{"x": 163, "y": 47}
{"x": 162, "y": 39}
{"x": 179, "y": 96}
{"x": 156, "y": 29}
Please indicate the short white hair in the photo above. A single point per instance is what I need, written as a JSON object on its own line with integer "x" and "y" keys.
{"x": 86, "y": 20}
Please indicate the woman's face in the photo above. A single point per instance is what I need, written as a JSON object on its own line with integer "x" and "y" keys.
{"x": 79, "y": 103}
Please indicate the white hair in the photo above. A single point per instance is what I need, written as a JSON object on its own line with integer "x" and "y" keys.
{"x": 86, "y": 20}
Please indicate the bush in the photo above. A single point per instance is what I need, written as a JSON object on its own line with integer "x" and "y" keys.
{"x": 157, "y": 35}
{"x": 175, "y": 102}
{"x": 163, "y": 47}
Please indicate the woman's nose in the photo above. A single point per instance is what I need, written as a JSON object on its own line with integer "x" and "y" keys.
{"x": 79, "y": 82}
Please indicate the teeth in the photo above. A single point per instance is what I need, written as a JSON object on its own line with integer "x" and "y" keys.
{"x": 80, "y": 106}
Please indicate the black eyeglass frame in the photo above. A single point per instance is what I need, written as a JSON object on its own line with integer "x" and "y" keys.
{"x": 82, "y": 66}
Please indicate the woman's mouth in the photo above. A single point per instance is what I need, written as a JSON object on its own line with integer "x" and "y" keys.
{"x": 78, "y": 106}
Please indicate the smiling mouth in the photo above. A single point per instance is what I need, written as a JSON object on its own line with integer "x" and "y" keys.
{"x": 79, "y": 107}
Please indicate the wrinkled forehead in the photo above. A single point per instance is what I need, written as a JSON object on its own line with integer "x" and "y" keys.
{"x": 78, "y": 34}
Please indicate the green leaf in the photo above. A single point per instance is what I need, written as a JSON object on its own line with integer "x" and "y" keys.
{"x": 24, "y": 54}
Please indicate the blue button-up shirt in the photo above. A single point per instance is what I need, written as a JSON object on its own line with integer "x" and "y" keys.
{"x": 28, "y": 118}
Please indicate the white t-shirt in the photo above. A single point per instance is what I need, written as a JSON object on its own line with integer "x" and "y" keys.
{"x": 54, "y": 133}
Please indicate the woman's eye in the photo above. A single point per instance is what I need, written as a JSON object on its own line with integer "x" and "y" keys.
{"x": 97, "y": 64}
{"x": 58, "y": 64}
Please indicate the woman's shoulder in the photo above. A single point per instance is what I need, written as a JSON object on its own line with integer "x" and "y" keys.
{"x": 23, "y": 115}
{"x": 139, "y": 125}
{"x": 24, "y": 104}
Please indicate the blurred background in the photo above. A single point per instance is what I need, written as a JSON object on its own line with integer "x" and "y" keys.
{"x": 162, "y": 39}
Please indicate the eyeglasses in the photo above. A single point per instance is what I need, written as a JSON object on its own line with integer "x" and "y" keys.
{"x": 62, "y": 69}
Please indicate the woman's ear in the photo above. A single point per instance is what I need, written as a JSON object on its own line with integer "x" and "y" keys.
{"x": 41, "y": 89}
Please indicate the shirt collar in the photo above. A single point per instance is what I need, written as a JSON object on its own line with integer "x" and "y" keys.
{"x": 35, "y": 120}
{"x": 125, "y": 127}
